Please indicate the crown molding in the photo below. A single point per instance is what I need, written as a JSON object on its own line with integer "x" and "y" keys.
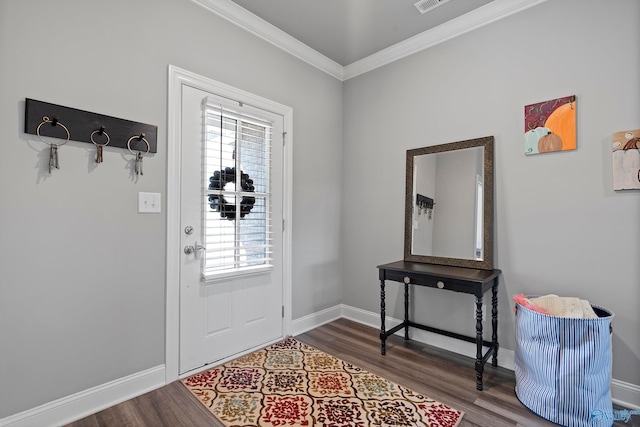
{"x": 485, "y": 15}
{"x": 241, "y": 17}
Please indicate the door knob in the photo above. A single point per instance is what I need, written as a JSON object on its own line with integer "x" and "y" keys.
{"x": 193, "y": 249}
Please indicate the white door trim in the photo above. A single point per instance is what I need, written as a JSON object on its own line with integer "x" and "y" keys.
{"x": 177, "y": 78}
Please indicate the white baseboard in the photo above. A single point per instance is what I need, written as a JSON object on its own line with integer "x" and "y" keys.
{"x": 306, "y": 323}
{"x": 79, "y": 405}
{"x": 625, "y": 394}
{"x": 622, "y": 393}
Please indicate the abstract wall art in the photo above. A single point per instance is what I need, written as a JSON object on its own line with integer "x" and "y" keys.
{"x": 550, "y": 126}
{"x": 626, "y": 160}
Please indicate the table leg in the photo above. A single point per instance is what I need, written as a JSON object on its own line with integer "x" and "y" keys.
{"x": 479, "y": 365}
{"x": 494, "y": 322}
{"x": 383, "y": 337}
{"x": 406, "y": 311}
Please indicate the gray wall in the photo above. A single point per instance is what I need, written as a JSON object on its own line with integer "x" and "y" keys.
{"x": 560, "y": 228}
{"x": 82, "y": 274}
{"x": 82, "y": 277}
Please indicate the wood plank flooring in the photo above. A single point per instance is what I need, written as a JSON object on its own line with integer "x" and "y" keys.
{"x": 441, "y": 375}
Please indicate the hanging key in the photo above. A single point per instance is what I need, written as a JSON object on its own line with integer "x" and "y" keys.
{"x": 53, "y": 148}
{"x": 99, "y": 154}
{"x": 53, "y": 158}
{"x": 138, "y": 162}
{"x": 138, "y": 165}
{"x": 100, "y": 146}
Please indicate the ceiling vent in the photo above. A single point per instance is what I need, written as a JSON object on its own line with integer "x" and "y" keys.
{"x": 425, "y": 6}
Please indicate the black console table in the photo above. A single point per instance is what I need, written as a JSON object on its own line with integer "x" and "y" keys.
{"x": 457, "y": 279}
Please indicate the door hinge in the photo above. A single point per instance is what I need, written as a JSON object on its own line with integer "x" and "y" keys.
{"x": 284, "y": 139}
{"x": 283, "y": 311}
{"x": 283, "y": 225}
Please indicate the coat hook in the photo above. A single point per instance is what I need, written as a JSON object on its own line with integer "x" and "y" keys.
{"x": 141, "y": 137}
{"x": 54, "y": 121}
{"x": 101, "y": 131}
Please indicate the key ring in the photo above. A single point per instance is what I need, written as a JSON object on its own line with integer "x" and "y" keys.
{"x": 99, "y": 147}
{"x": 53, "y": 152}
{"x": 138, "y": 161}
{"x": 100, "y": 131}
{"x": 139, "y": 138}
{"x": 54, "y": 122}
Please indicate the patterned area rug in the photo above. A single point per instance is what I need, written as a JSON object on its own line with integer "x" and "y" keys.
{"x": 292, "y": 384}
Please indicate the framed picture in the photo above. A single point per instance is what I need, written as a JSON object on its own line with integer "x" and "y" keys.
{"x": 550, "y": 126}
{"x": 626, "y": 160}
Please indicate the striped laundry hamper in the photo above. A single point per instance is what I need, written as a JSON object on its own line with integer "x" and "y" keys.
{"x": 563, "y": 367}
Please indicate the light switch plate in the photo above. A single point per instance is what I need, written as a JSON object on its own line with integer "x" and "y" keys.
{"x": 148, "y": 202}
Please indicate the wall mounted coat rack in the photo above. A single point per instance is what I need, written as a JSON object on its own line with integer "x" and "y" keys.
{"x": 83, "y": 125}
{"x": 424, "y": 202}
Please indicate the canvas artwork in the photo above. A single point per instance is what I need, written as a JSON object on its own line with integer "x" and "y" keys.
{"x": 626, "y": 160}
{"x": 550, "y": 126}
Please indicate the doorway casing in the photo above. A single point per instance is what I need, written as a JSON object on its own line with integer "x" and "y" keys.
{"x": 178, "y": 78}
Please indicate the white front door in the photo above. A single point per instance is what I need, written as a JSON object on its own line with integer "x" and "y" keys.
{"x": 231, "y": 269}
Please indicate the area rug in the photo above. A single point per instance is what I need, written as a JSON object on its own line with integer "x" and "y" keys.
{"x": 292, "y": 384}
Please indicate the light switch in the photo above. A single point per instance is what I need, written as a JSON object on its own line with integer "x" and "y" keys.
{"x": 148, "y": 202}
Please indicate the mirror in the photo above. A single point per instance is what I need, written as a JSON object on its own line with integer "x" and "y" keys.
{"x": 449, "y": 204}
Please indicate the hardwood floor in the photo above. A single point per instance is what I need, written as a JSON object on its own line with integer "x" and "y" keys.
{"x": 446, "y": 377}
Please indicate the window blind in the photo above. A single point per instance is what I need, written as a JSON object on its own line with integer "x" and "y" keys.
{"x": 237, "y": 204}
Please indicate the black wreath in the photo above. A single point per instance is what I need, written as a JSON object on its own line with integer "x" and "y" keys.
{"x": 218, "y": 203}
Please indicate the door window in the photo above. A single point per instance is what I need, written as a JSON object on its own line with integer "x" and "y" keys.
{"x": 236, "y": 188}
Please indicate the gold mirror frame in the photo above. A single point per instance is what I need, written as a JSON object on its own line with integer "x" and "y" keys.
{"x": 487, "y": 261}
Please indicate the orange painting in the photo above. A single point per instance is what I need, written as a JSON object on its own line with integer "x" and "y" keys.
{"x": 550, "y": 126}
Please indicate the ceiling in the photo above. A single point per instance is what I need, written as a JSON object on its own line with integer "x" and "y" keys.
{"x": 349, "y": 30}
{"x": 346, "y": 38}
